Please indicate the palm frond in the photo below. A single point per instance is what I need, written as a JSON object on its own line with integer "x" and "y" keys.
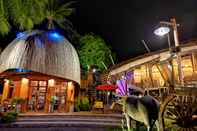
{"x": 1, "y": 7}
{"x": 26, "y": 13}
{"x": 68, "y": 4}
{"x": 58, "y": 11}
{"x": 65, "y": 24}
{"x": 4, "y": 24}
{"x": 39, "y": 11}
{"x": 64, "y": 12}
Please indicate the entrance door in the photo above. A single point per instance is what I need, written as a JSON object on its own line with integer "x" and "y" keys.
{"x": 60, "y": 94}
{"x": 39, "y": 89}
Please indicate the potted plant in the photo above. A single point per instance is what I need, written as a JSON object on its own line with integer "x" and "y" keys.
{"x": 17, "y": 102}
{"x": 84, "y": 104}
{"x": 52, "y": 103}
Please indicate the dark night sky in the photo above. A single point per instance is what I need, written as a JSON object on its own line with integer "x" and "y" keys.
{"x": 124, "y": 23}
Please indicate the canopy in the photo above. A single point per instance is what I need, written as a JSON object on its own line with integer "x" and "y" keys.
{"x": 106, "y": 87}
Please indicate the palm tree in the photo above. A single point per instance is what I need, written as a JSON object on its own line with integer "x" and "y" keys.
{"x": 56, "y": 12}
{"x": 24, "y": 14}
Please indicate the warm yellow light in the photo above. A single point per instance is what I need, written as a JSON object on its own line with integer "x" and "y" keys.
{"x": 157, "y": 78}
{"x": 137, "y": 76}
{"x": 70, "y": 85}
{"x": 51, "y": 82}
{"x": 6, "y": 81}
{"x": 5, "y": 90}
{"x": 24, "y": 88}
{"x": 25, "y": 80}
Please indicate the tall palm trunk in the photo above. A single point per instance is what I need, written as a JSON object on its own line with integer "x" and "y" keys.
{"x": 50, "y": 23}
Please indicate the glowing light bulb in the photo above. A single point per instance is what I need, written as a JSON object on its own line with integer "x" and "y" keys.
{"x": 161, "y": 31}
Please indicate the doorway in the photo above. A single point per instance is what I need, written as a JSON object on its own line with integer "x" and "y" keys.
{"x": 39, "y": 89}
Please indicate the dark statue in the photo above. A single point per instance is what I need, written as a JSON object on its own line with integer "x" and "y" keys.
{"x": 143, "y": 109}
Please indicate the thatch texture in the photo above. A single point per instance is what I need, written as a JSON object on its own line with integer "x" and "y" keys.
{"x": 44, "y": 52}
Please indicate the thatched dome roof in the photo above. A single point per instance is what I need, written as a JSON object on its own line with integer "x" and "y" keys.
{"x": 43, "y": 52}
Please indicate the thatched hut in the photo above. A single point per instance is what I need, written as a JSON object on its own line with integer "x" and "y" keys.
{"x": 42, "y": 68}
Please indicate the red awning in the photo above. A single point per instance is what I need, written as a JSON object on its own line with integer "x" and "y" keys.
{"x": 106, "y": 87}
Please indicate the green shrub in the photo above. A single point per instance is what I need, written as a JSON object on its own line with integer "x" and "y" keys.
{"x": 17, "y": 100}
{"x": 83, "y": 104}
{"x": 115, "y": 129}
{"x": 16, "y": 103}
{"x": 8, "y": 117}
{"x": 13, "y": 114}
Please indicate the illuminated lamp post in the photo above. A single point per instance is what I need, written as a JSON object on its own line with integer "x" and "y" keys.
{"x": 164, "y": 29}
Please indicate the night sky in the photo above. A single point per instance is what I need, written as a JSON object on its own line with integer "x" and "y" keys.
{"x": 124, "y": 23}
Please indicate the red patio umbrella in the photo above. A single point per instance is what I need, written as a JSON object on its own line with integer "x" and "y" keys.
{"x": 106, "y": 87}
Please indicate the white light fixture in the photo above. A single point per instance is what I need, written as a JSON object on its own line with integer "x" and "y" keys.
{"x": 108, "y": 93}
{"x": 25, "y": 80}
{"x": 161, "y": 31}
{"x": 51, "y": 83}
{"x": 94, "y": 70}
{"x": 6, "y": 81}
{"x": 123, "y": 77}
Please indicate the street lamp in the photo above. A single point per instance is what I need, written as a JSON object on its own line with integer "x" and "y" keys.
{"x": 165, "y": 29}
{"x": 161, "y": 31}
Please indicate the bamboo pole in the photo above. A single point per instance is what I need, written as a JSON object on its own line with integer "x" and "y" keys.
{"x": 176, "y": 40}
{"x": 150, "y": 74}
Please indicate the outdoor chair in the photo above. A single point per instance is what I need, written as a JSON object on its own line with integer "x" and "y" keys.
{"x": 98, "y": 106}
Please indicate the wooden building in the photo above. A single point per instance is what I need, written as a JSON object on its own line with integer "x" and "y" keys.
{"x": 158, "y": 70}
{"x": 43, "y": 69}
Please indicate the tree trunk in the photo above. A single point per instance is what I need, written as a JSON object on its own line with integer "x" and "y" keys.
{"x": 50, "y": 23}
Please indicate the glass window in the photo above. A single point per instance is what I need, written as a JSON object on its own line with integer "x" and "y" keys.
{"x": 42, "y": 83}
{"x": 34, "y": 83}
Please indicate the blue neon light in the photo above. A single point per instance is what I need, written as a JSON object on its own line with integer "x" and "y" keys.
{"x": 55, "y": 36}
{"x": 20, "y": 34}
{"x": 22, "y": 70}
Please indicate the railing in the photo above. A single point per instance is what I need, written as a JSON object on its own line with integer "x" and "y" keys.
{"x": 189, "y": 89}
